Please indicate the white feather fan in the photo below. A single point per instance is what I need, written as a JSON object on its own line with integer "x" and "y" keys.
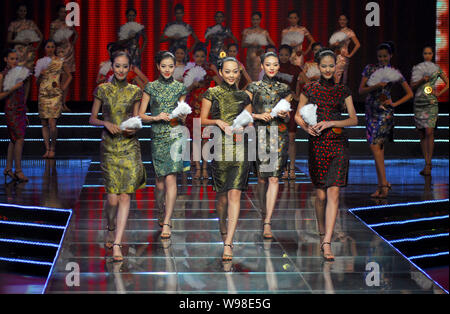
{"x": 127, "y": 29}
{"x": 385, "y": 74}
{"x": 309, "y": 114}
{"x": 293, "y": 39}
{"x": 14, "y": 76}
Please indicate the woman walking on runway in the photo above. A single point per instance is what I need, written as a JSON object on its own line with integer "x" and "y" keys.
{"x": 120, "y": 153}
{"x": 221, "y": 105}
{"x": 328, "y": 145}
{"x": 162, "y": 97}
{"x": 380, "y": 112}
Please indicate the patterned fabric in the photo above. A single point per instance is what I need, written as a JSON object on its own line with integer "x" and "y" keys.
{"x": 265, "y": 96}
{"x": 227, "y": 102}
{"x": 134, "y": 49}
{"x": 379, "y": 122}
{"x": 217, "y": 42}
{"x": 342, "y": 60}
{"x": 164, "y": 95}
{"x": 50, "y": 93}
{"x": 65, "y": 49}
{"x": 253, "y": 65}
{"x": 120, "y": 156}
{"x": 15, "y": 112}
{"x": 328, "y": 153}
{"x": 289, "y": 74}
{"x": 295, "y": 59}
{"x": 426, "y": 107}
{"x": 174, "y": 44}
{"x": 26, "y": 54}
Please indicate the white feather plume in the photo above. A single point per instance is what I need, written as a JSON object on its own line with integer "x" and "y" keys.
{"x": 127, "y": 29}
{"x": 282, "y": 105}
{"x": 62, "y": 34}
{"x": 313, "y": 71}
{"x": 423, "y": 69}
{"x": 178, "y": 73}
{"x": 196, "y": 74}
{"x": 177, "y": 30}
{"x": 105, "y": 67}
{"x": 309, "y": 114}
{"x": 293, "y": 38}
{"x": 213, "y": 30}
{"x": 285, "y": 77}
{"x": 27, "y": 34}
{"x": 14, "y": 76}
{"x": 338, "y": 37}
{"x": 134, "y": 123}
{"x": 182, "y": 109}
{"x": 41, "y": 65}
{"x": 386, "y": 75}
{"x": 242, "y": 120}
{"x": 254, "y": 38}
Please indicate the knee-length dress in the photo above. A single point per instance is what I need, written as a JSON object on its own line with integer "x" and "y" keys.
{"x": 328, "y": 160}
{"x": 164, "y": 95}
{"x": 379, "y": 121}
{"x": 426, "y": 106}
{"x": 15, "y": 112}
{"x": 120, "y": 156}
{"x": 50, "y": 93}
{"x": 266, "y": 95}
{"x": 227, "y": 102}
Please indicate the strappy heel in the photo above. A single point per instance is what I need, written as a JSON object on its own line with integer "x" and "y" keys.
{"x": 109, "y": 244}
{"x": 426, "y": 171}
{"x": 326, "y": 257}
{"x": 117, "y": 258}
{"x": 9, "y": 173}
{"x": 20, "y": 176}
{"x": 267, "y": 236}
{"x": 227, "y": 257}
{"x": 165, "y": 235}
{"x": 382, "y": 191}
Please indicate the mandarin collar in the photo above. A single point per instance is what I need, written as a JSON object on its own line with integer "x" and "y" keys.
{"x": 163, "y": 80}
{"x": 269, "y": 80}
{"x": 330, "y": 82}
{"x": 228, "y": 87}
{"x": 119, "y": 84}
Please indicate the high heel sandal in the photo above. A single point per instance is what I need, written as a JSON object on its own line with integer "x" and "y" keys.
{"x": 267, "y": 236}
{"x": 109, "y": 244}
{"x": 384, "y": 190}
{"x": 9, "y": 173}
{"x": 165, "y": 235}
{"x": 227, "y": 257}
{"x": 20, "y": 176}
{"x": 326, "y": 257}
{"x": 205, "y": 174}
{"x": 117, "y": 258}
{"x": 426, "y": 171}
{"x": 285, "y": 174}
{"x": 51, "y": 154}
{"x": 292, "y": 175}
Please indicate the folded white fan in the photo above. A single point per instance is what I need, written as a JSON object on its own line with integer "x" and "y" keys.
{"x": 313, "y": 71}
{"x": 259, "y": 39}
{"x": 285, "y": 77}
{"x": 282, "y": 105}
{"x": 134, "y": 123}
{"x": 62, "y": 34}
{"x": 105, "y": 67}
{"x": 309, "y": 114}
{"x": 338, "y": 37}
{"x": 127, "y": 29}
{"x": 242, "y": 120}
{"x": 181, "y": 110}
{"x": 423, "y": 69}
{"x": 386, "y": 75}
{"x": 177, "y": 30}
{"x": 27, "y": 34}
{"x": 14, "y": 76}
{"x": 293, "y": 38}
{"x": 41, "y": 65}
{"x": 196, "y": 74}
{"x": 213, "y": 30}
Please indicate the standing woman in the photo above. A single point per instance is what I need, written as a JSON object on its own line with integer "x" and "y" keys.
{"x": 180, "y": 63}
{"x": 328, "y": 144}
{"x": 132, "y": 42}
{"x": 120, "y": 152}
{"x": 51, "y": 90}
{"x": 265, "y": 95}
{"x": 221, "y": 105}
{"x": 65, "y": 46}
{"x": 426, "y": 104}
{"x": 16, "y": 118}
{"x": 163, "y": 95}
{"x": 255, "y": 38}
{"x": 344, "y": 56}
{"x": 297, "y": 56}
{"x": 311, "y": 68}
{"x": 232, "y": 51}
{"x": 217, "y": 35}
{"x": 380, "y": 113}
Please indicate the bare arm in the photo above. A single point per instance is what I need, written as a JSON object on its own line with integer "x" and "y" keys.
{"x": 409, "y": 95}
{"x": 94, "y": 120}
{"x": 356, "y": 47}
{"x": 351, "y": 121}
{"x": 163, "y": 116}
{"x": 311, "y": 42}
{"x": 444, "y": 77}
{"x": 69, "y": 77}
{"x": 364, "y": 89}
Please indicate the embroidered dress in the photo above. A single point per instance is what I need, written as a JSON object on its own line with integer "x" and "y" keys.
{"x": 50, "y": 92}
{"x": 217, "y": 42}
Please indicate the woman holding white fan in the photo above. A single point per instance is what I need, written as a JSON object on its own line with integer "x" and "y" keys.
{"x": 162, "y": 96}
{"x": 377, "y": 81}
{"x": 271, "y": 106}
{"x": 328, "y": 145}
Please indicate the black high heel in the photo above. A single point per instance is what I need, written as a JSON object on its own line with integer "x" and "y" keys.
{"x": 326, "y": 257}
{"x": 267, "y": 236}
{"x": 165, "y": 235}
{"x": 9, "y": 173}
{"x": 109, "y": 244}
{"x": 227, "y": 257}
{"x": 117, "y": 258}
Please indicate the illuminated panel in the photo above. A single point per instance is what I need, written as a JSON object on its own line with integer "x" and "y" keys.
{"x": 442, "y": 41}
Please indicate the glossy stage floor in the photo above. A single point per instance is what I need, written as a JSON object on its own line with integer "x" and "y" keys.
{"x": 191, "y": 261}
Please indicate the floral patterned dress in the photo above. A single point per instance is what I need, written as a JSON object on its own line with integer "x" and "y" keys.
{"x": 227, "y": 102}
{"x": 265, "y": 96}
{"x": 328, "y": 160}
{"x": 379, "y": 121}
{"x": 120, "y": 156}
{"x": 66, "y": 49}
{"x": 27, "y": 54}
{"x": 50, "y": 93}
{"x": 164, "y": 95}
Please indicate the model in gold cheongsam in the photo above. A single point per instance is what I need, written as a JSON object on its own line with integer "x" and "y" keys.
{"x": 50, "y": 92}
{"x": 121, "y": 164}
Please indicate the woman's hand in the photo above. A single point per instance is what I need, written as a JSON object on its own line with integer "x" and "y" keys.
{"x": 386, "y": 103}
{"x": 16, "y": 87}
{"x": 129, "y": 132}
{"x": 224, "y": 127}
{"x": 162, "y": 117}
{"x": 112, "y": 128}
{"x": 266, "y": 117}
{"x": 283, "y": 114}
{"x": 182, "y": 119}
{"x": 426, "y": 78}
{"x": 322, "y": 125}
{"x": 311, "y": 131}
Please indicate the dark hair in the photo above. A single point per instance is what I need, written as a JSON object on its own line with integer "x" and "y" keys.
{"x": 162, "y": 55}
{"x": 200, "y": 47}
{"x": 315, "y": 45}
{"x": 221, "y": 12}
{"x": 7, "y": 51}
{"x": 178, "y": 7}
{"x": 49, "y": 41}
{"x": 289, "y": 48}
{"x": 114, "y": 47}
{"x": 119, "y": 53}
{"x": 268, "y": 54}
{"x": 131, "y": 9}
{"x": 428, "y": 46}
{"x": 293, "y": 12}
{"x": 387, "y": 45}
{"x": 233, "y": 44}
{"x": 270, "y": 47}
{"x": 182, "y": 47}
{"x": 221, "y": 62}
{"x": 346, "y": 16}
{"x": 257, "y": 13}
{"x": 322, "y": 53}
{"x": 59, "y": 7}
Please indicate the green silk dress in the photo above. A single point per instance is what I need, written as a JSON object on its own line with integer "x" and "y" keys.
{"x": 120, "y": 156}
{"x": 227, "y": 102}
{"x": 265, "y": 96}
{"x": 166, "y": 150}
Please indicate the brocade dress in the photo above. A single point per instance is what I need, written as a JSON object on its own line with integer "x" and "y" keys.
{"x": 120, "y": 156}
{"x": 217, "y": 42}
{"x": 50, "y": 93}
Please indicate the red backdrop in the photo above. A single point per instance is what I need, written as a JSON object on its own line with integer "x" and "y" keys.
{"x": 100, "y": 21}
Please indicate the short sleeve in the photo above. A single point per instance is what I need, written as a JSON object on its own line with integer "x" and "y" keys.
{"x": 247, "y": 100}
{"x": 345, "y": 92}
{"x": 252, "y": 88}
{"x": 285, "y": 91}
{"x": 184, "y": 90}
{"x": 99, "y": 93}
{"x": 366, "y": 71}
{"x": 137, "y": 95}
{"x": 148, "y": 89}
{"x": 307, "y": 90}
{"x": 208, "y": 94}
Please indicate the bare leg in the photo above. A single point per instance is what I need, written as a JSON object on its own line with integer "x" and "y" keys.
{"x": 18, "y": 147}
{"x": 292, "y": 151}
{"x": 46, "y": 136}
{"x": 171, "y": 197}
{"x": 122, "y": 217}
{"x": 234, "y": 207}
{"x": 271, "y": 198}
{"x": 330, "y": 216}
{"x": 429, "y": 140}
{"x": 261, "y": 190}
{"x": 221, "y": 207}
{"x": 10, "y": 158}
{"x": 319, "y": 206}
{"x": 53, "y": 134}
{"x": 160, "y": 195}
{"x": 111, "y": 214}
{"x": 378, "y": 154}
